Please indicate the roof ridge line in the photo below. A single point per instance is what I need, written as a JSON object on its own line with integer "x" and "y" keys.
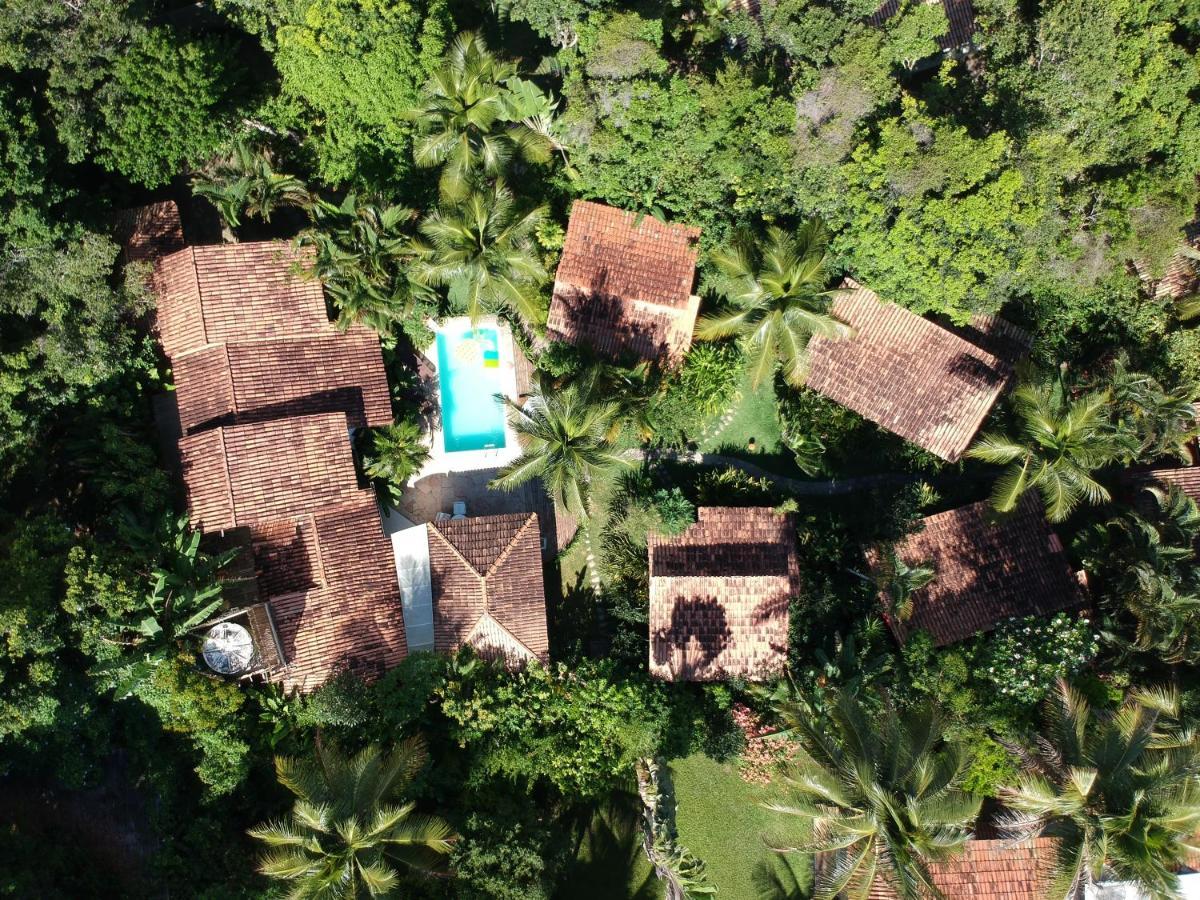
{"x": 453, "y": 549}
{"x": 199, "y": 293}
{"x": 233, "y": 514}
{"x": 503, "y": 555}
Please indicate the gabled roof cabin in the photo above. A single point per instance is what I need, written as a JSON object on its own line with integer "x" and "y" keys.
{"x": 624, "y": 285}
{"x": 719, "y": 595}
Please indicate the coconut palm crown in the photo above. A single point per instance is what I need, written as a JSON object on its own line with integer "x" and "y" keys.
{"x": 482, "y": 250}
{"x": 565, "y": 441}
{"x": 1119, "y": 791}
{"x": 1058, "y": 443}
{"x": 349, "y": 835}
{"x": 878, "y": 792}
{"x": 466, "y": 119}
{"x": 775, "y": 299}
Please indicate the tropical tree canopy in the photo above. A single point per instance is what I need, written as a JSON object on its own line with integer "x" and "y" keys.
{"x": 482, "y": 250}
{"x": 775, "y": 299}
{"x": 364, "y": 254}
{"x": 564, "y": 441}
{"x": 1119, "y": 791}
{"x": 1145, "y": 562}
{"x": 879, "y": 792}
{"x": 1059, "y": 442}
{"x": 898, "y": 581}
{"x": 475, "y": 115}
{"x": 349, "y": 833}
{"x": 245, "y": 182}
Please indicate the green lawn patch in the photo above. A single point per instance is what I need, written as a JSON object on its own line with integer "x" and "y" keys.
{"x": 719, "y": 819}
{"x": 756, "y": 415}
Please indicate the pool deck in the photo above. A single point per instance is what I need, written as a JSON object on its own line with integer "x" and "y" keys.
{"x": 435, "y": 493}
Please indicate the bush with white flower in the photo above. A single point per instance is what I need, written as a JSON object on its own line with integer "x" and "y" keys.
{"x": 1022, "y": 659}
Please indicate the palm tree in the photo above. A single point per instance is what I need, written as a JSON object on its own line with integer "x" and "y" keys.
{"x": 897, "y": 581}
{"x": 1060, "y": 442}
{"x": 880, "y": 792}
{"x": 466, "y": 119}
{"x": 565, "y": 442}
{"x": 1162, "y": 422}
{"x": 349, "y": 834}
{"x": 776, "y": 299}
{"x": 364, "y": 257}
{"x": 245, "y": 181}
{"x": 1148, "y": 564}
{"x": 392, "y": 455}
{"x": 481, "y": 248}
{"x": 1119, "y": 791}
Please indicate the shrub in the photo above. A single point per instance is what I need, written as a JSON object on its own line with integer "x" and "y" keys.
{"x": 579, "y": 730}
{"x": 393, "y": 455}
{"x": 676, "y": 511}
{"x": 733, "y": 487}
{"x": 1022, "y": 659}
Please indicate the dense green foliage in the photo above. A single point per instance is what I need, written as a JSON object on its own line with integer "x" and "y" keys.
{"x": 427, "y": 154}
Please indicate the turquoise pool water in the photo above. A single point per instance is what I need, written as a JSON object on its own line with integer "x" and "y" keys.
{"x": 469, "y": 378}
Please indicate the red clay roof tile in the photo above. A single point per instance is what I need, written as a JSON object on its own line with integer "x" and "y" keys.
{"x": 988, "y": 569}
{"x": 719, "y": 595}
{"x": 487, "y": 586}
{"x": 235, "y": 292}
{"x": 625, "y": 289}
{"x": 908, "y": 375}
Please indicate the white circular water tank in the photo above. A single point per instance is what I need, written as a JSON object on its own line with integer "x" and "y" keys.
{"x": 228, "y": 648}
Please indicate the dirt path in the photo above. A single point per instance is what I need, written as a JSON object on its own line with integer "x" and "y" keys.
{"x": 827, "y": 488}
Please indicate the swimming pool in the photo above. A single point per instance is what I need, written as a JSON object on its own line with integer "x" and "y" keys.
{"x": 469, "y": 380}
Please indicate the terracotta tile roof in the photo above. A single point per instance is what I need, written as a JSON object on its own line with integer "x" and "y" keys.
{"x": 625, "y": 290}
{"x": 719, "y": 595}
{"x": 1187, "y": 479}
{"x": 351, "y": 619}
{"x": 249, "y": 474}
{"x": 321, "y": 559}
{"x": 248, "y": 381}
{"x": 1182, "y": 276}
{"x": 486, "y": 577}
{"x": 148, "y": 233}
{"x": 990, "y": 870}
{"x": 960, "y": 15}
{"x": 906, "y": 374}
{"x": 988, "y": 569}
{"x": 235, "y": 292}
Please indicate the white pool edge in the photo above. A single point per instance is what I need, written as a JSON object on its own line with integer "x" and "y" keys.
{"x": 440, "y": 462}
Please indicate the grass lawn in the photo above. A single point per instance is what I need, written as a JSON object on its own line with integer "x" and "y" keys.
{"x": 719, "y": 819}
{"x": 756, "y": 415}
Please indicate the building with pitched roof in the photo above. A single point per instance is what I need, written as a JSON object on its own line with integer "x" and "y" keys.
{"x": 486, "y": 579}
{"x": 624, "y": 285}
{"x": 988, "y": 568}
{"x": 235, "y": 292}
{"x": 246, "y": 381}
{"x": 1182, "y": 276}
{"x": 321, "y": 562}
{"x": 719, "y": 595}
{"x": 960, "y": 21}
{"x": 149, "y": 233}
{"x": 267, "y": 393}
{"x": 989, "y": 870}
{"x": 926, "y": 383}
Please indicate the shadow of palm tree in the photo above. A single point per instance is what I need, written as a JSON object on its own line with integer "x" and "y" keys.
{"x": 609, "y": 859}
{"x": 782, "y": 877}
